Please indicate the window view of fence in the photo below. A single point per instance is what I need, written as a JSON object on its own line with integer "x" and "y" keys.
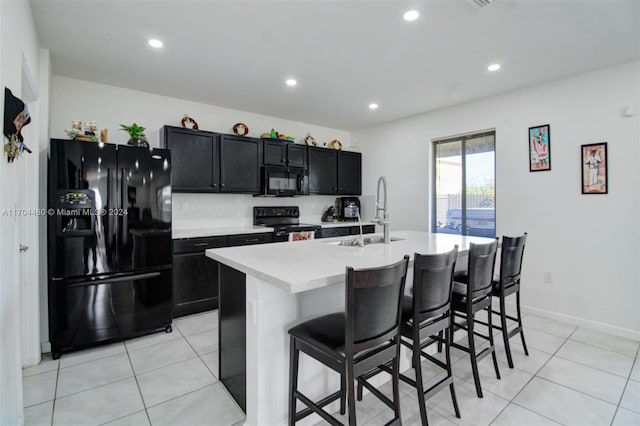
{"x": 464, "y": 185}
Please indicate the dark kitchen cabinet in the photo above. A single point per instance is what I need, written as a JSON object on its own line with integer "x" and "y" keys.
{"x": 323, "y": 168}
{"x": 349, "y": 173}
{"x": 195, "y": 158}
{"x": 334, "y": 172}
{"x": 195, "y": 276}
{"x": 283, "y": 153}
{"x": 249, "y": 239}
{"x": 341, "y": 231}
{"x": 240, "y": 164}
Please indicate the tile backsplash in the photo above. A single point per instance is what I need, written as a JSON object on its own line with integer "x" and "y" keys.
{"x": 229, "y": 210}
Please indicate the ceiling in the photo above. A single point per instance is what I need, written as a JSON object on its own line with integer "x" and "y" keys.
{"x": 344, "y": 54}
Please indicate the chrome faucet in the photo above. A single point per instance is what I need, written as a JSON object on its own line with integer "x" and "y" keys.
{"x": 384, "y": 208}
{"x": 360, "y": 240}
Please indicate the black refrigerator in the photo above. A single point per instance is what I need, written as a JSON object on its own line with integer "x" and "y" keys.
{"x": 109, "y": 243}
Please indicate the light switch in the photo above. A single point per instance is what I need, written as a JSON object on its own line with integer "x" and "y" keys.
{"x": 251, "y": 310}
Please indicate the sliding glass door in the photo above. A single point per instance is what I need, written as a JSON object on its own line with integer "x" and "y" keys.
{"x": 464, "y": 192}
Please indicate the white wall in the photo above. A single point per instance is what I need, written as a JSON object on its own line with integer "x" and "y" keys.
{"x": 111, "y": 106}
{"x": 18, "y": 189}
{"x": 588, "y": 242}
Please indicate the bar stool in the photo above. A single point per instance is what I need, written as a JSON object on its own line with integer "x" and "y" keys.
{"x": 507, "y": 284}
{"x": 471, "y": 297}
{"x": 426, "y": 317}
{"x": 354, "y": 342}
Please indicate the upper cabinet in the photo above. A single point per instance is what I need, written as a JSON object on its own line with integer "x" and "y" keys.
{"x": 240, "y": 164}
{"x": 334, "y": 172}
{"x": 285, "y": 154}
{"x": 323, "y": 171}
{"x": 196, "y": 159}
{"x": 212, "y": 162}
{"x": 349, "y": 173}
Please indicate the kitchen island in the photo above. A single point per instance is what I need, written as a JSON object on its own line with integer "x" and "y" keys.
{"x": 265, "y": 290}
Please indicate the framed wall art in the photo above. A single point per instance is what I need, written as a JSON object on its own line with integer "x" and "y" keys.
{"x": 594, "y": 168}
{"x": 540, "y": 148}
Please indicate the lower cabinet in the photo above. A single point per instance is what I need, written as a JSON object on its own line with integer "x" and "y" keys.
{"x": 195, "y": 276}
{"x": 341, "y": 231}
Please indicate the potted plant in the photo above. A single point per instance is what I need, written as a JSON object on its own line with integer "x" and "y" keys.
{"x": 136, "y": 135}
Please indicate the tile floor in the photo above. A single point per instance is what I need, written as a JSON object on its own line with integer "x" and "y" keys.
{"x": 572, "y": 376}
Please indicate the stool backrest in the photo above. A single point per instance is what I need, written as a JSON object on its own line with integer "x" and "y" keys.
{"x": 482, "y": 262}
{"x": 374, "y": 304}
{"x": 511, "y": 259}
{"x": 433, "y": 284}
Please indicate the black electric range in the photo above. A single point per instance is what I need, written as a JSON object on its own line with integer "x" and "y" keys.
{"x": 283, "y": 219}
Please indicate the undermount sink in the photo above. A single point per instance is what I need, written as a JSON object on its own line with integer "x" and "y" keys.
{"x": 367, "y": 240}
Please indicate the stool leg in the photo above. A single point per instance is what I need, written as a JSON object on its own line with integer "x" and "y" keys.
{"x": 351, "y": 392}
{"x": 417, "y": 366}
{"x": 472, "y": 352}
{"x": 505, "y": 332}
{"x": 448, "y": 335}
{"x": 493, "y": 347}
{"x": 294, "y": 355}
{"x": 396, "y": 382}
{"x": 440, "y": 341}
{"x": 343, "y": 394}
{"x": 359, "y": 392}
{"x": 524, "y": 344}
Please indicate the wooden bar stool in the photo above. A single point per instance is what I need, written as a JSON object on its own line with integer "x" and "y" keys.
{"x": 426, "y": 317}
{"x": 353, "y": 343}
{"x": 512, "y": 253}
{"x": 472, "y": 296}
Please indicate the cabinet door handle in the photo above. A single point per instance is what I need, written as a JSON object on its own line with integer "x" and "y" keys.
{"x": 200, "y": 244}
{"x": 282, "y": 160}
{"x": 215, "y": 185}
{"x": 222, "y": 185}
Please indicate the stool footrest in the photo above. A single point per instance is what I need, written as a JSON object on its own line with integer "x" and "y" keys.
{"x": 382, "y": 397}
{"x": 317, "y": 407}
{"x": 437, "y": 387}
{"x": 513, "y": 332}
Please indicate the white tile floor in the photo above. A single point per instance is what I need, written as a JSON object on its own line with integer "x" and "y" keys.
{"x": 572, "y": 376}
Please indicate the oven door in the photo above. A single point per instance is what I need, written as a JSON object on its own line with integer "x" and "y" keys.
{"x": 285, "y": 181}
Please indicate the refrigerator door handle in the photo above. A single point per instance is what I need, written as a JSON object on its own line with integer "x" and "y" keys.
{"x": 115, "y": 280}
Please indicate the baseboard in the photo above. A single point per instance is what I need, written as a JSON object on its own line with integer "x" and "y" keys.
{"x": 627, "y": 333}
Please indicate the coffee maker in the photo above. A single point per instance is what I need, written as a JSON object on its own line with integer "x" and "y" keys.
{"x": 347, "y": 208}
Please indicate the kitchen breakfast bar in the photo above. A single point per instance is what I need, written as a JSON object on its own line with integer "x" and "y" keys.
{"x": 267, "y": 289}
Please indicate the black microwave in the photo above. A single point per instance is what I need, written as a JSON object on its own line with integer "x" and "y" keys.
{"x": 282, "y": 181}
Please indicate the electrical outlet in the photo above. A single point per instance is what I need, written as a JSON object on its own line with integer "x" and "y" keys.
{"x": 548, "y": 278}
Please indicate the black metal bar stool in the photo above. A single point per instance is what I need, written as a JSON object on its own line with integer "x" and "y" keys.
{"x": 472, "y": 296}
{"x": 354, "y": 342}
{"x": 426, "y": 317}
{"x": 512, "y": 253}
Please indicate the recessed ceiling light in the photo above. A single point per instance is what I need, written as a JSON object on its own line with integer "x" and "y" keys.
{"x": 493, "y": 67}
{"x": 411, "y": 15}
{"x": 155, "y": 43}
{"x": 291, "y": 82}
{"x": 373, "y": 106}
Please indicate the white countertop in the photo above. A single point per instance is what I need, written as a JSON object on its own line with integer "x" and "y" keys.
{"x": 217, "y": 231}
{"x": 306, "y": 265}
